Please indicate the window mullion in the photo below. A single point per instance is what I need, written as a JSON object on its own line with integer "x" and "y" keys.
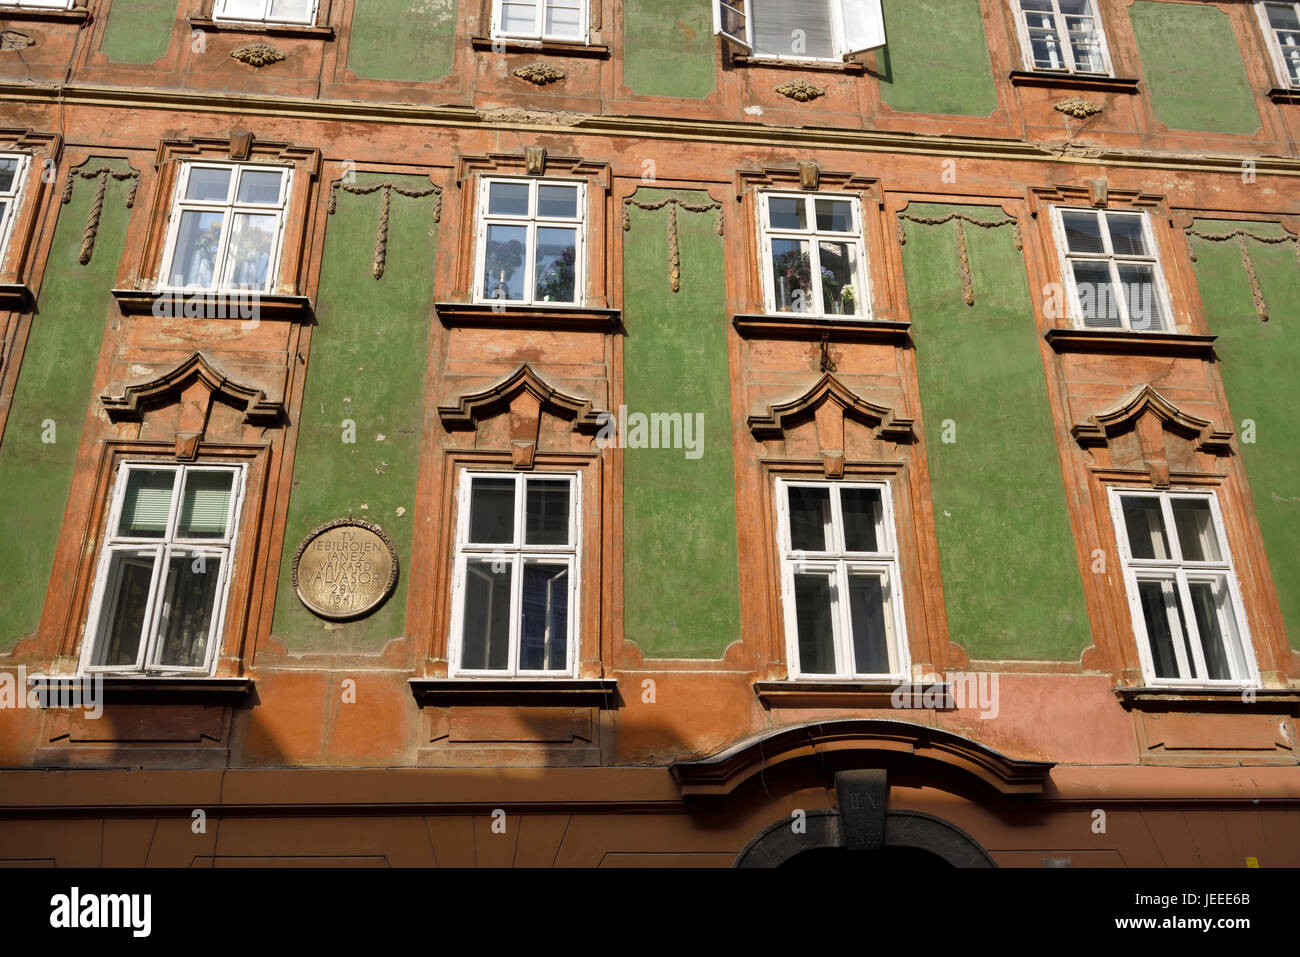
{"x": 153, "y": 608}
{"x": 1193, "y": 629}
{"x": 842, "y": 622}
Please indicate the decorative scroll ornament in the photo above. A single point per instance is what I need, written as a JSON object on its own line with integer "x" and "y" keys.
{"x": 1256, "y": 293}
{"x": 381, "y": 232}
{"x": 13, "y": 40}
{"x": 257, "y": 54}
{"x": 674, "y": 250}
{"x": 800, "y": 90}
{"x": 963, "y": 259}
{"x": 102, "y": 174}
{"x": 539, "y": 74}
{"x": 1077, "y": 107}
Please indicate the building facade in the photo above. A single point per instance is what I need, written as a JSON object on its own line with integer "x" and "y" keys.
{"x": 568, "y": 432}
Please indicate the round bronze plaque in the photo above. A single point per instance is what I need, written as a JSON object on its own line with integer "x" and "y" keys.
{"x": 344, "y": 569}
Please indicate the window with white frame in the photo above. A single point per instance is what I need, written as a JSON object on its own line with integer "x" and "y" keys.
{"x": 805, "y": 30}
{"x": 530, "y": 241}
{"x": 813, "y": 258}
{"x": 840, "y": 583}
{"x": 1182, "y": 588}
{"x": 1111, "y": 269}
{"x": 226, "y": 227}
{"x": 540, "y": 19}
{"x": 13, "y": 170}
{"x": 39, "y": 4}
{"x": 1063, "y": 36}
{"x": 515, "y": 584}
{"x": 302, "y": 12}
{"x": 164, "y": 569}
{"x": 1281, "y": 24}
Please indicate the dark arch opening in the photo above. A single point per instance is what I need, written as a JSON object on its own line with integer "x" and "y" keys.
{"x": 905, "y": 860}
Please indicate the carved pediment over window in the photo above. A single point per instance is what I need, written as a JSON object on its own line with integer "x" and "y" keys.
{"x": 523, "y": 396}
{"x": 827, "y": 405}
{"x": 1137, "y": 431}
{"x": 806, "y": 176}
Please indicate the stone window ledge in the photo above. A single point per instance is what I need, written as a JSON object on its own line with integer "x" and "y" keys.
{"x": 79, "y": 15}
{"x": 208, "y": 25}
{"x": 854, "y": 694}
{"x": 144, "y": 688}
{"x": 1213, "y": 700}
{"x": 1130, "y": 343}
{"x": 813, "y": 328}
{"x": 543, "y": 316}
{"x": 854, "y": 67}
{"x": 577, "y": 692}
{"x": 15, "y": 296}
{"x": 1075, "y": 81}
{"x": 216, "y": 305}
{"x": 598, "y": 51}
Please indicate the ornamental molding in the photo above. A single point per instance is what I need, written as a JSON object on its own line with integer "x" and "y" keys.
{"x": 963, "y": 256}
{"x": 381, "y": 228}
{"x": 1077, "y": 107}
{"x": 257, "y": 54}
{"x": 1248, "y": 264}
{"x": 15, "y": 40}
{"x": 102, "y": 174}
{"x": 167, "y": 389}
{"x": 539, "y": 74}
{"x": 674, "y": 244}
{"x": 808, "y": 177}
{"x": 800, "y": 91}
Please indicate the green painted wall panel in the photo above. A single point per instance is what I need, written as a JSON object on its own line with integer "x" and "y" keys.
{"x": 1259, "y": 363}
{"x": 411, "y": 40}
{"x": 1010, "y": 574}
{"x": 1192, "y": 68}
{"x": 937, "y": 58}
{"x": 668, "y": 48}
{"x": 55, "y": 383}
{"x": 681, "y": 579}
{"x": 368, "y": 361}
{"x": 139, "y": 31}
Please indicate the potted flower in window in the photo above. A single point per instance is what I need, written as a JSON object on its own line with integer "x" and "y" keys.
{"x": 848, "y": 295}
{"x": 793, "y": 281}
{"x": 499, "y": 264}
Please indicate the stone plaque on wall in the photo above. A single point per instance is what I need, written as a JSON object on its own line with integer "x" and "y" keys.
{"x": 344, "y": 569}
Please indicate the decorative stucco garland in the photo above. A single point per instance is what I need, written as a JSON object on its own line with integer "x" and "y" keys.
{"x": 97, "y": 207}
{"x": 967, "y": 286}
{"x": 1256, "y": 293}
{"x": 674, "y": 250}
{"x": 381, "y": 232}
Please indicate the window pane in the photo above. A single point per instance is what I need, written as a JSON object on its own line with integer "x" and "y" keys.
{"x": 810, "y": 517}
{"x": 8, "y": 171}
{"x": 543, "y": 641}
{"x": 485, "y": 633}
{"x": 1079, "y": 7}
{"x": 205, "y": 505}
{"x": 1082, "y": 232}
{"x": 189, "y": 604}
{"x": 492, "y": 511}
{"x": 4, "y": 208}
{"x": 1146, "y": 527}
{"x": 787, "y": 212}
{"x": 508, "y": 199}
{"x": 813, "y": 595}
{"x": 839, "y": 266}
{"x": 196, "y": 248}
{"x": 1283, "y": 16}
{"x": 563, "y": 20}
{"x": 557, "y": 250}
{"x": 1196, "y": 535}
{"x": 1155, "y": 612}
{"x": 1097, "y": 305}
{"x": 1141, "y": 297}
{"x": 1044, "y": 44}
{"x": 503, "y": 261}
{"x": 834, "y": 215}
{"x": 791, "y": 277}
{"x": 252, "y": 9}
{"x": 862, "y": 509}
{"x": 125, "y": 604}
{"x": 519, "y": 17}
{"x": 546, "y": 519}
{"x": 1213, "y": 611}
{"x": 1126, "y": 235}
{"x": 211, "y": 185}
{"x": 867, "y": 610}
{"x": 1036, "y": 5}
{"x": 297, "y": 11}
{"x": 260, "y": 186}
{"x": 557, "y": 202}
{"x": 252, "y": 237}
{"x": 782, "y": 28}
{"x": 147, "y": 503}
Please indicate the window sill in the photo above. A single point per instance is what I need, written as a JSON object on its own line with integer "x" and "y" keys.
{"x": 544, "y": 316}
{"x": 208, "y": 25}
{"x": 78, "y": 16}
{"x": 187, "y": 690}
{"x": 1285, "y": 94}
{"x": 555, "y": 47}
{"x": 1075, "y": 81}
{"x": 1130, "y": 343}
{"x": 15, "y": 297}
{"x": 521, "y": 692}
{"x": 854, "y": 67}
{"x": 854, "y": 694}
{"x": 813, "y": 328}
{"x": 1214, "y": 700}
{"x": 176, "y": 303}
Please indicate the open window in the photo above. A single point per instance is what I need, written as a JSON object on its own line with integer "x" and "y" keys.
{"x": 812, "y": 30}
{"x": 13, "y": 169}
{"x": 299, "y": 12}
{"x": 1062, "y": 36}
{"x": 1281, "y": 25}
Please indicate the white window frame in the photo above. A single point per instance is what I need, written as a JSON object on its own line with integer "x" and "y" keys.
{"x": 1067, "y": 258}
{"x": 531, "y": 221}
{"x": 840, "y": 561}
{"x": 1177, "y": 571}
{"x": 219, "y": 14}
{"x": 516, "y": 554}
{"x": 766, "y": 233}
{"x": 12, "y": 198}
{"x": 1063, "y": 39}
{"x": 99, "y": 617}
{"x": 856, "y": 26}
{"x": 231, "y": 208}
{"x": 1275, "y": 49}
{"x": 539, "y": 23}
{"x": 38, "y": 4}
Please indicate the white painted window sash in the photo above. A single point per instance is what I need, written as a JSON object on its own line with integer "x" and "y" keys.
{"x": 10, "y": 198}
{"x": 1277, "y": 52}
{"x": 1069, "y": 65}
{"x": 39, "y": 4}
{"x": 539, "y": 31}
{"x": 867, "y": 19}
{"x": 1113, "y": 262}
{"x": 767, "y": 233}
{"x": 220, "y": 14}
{"x": 530, "y": 222}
